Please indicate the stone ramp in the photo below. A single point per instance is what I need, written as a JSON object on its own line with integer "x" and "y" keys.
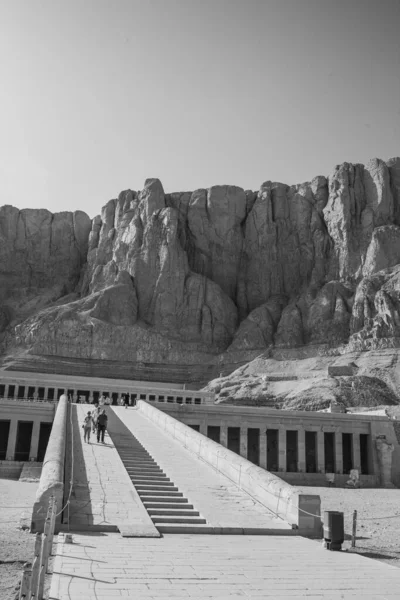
{"x": 165, "y": 504}
{"x": 106, "y": 566}
{"x": 226, "y": 508}
{"x": 103, "y": 497}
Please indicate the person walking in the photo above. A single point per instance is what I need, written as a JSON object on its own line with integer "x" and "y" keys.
{"x": 102, "y": 420}
{"x": 87, "y": 427}
{"x": 95, "y": 416}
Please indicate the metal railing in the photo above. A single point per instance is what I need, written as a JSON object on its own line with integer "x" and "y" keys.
{"x": 32, "y": 583}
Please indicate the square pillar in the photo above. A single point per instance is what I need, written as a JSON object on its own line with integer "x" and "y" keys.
{"x": 338, "y": 452}
{"x": 34, "y": 440}
{"x": 301, "y": 450}
{"x": 263, "y": 449}
{"x": 12, "y": 439}
{"x": 282, "y": 449}
{"x": 203, "y": 428}
{"x": 243, "y": 442}
{"x": 224, "y": 436}
{"x": 320, "y": 452}
{"x": 6, "y": 391}
{"x": 356, "y": 452}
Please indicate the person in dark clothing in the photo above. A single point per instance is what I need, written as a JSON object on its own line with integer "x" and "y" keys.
{"x": 101, "y": 425}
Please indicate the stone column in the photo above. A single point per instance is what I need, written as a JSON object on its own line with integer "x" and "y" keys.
{"x": 6, "y": 391}
{"x": 263, "y": 448}
{"x": 203, "y": 427}
{"x": 33, "y": 452}
{"x": 12, "y": 439}
{"x": 338, "y": 452}
{"x": 356, "y": 452}
{"x": 282, "y": 449}
{"x": 74, "y": 395}
{"x": 301, "y": 450}
{"x": 320, "y": 452}
{"x": 243, "y": 442}
{"x": 224, "y": 435}
{"x": 384, "y": 451}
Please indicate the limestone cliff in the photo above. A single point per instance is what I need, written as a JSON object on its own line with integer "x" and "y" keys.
{"x": 208, "y": 276}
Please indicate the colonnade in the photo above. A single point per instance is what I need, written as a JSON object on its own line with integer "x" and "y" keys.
{"x": 281, "y": 449}
{"x": 88, "y": 394}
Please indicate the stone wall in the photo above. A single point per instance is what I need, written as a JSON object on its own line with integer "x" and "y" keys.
{"x": 52, "y": 477}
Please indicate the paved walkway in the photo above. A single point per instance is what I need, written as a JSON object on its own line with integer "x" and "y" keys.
{"x": 219, "y": 500}
{"x": 106, "y": 566}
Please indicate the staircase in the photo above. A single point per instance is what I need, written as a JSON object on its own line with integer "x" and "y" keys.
{"x": 169, "y": 510}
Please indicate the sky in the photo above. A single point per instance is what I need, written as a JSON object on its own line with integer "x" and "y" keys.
{"x": 98, "y": 95}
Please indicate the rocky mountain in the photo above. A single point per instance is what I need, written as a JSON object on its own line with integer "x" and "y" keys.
{"x": 213, "y": 276}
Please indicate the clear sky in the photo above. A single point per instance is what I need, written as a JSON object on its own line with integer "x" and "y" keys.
{"x": 98, "y": 95}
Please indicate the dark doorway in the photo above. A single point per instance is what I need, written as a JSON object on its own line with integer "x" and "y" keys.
{"x": 214, "y": 433}
{"x": 365, "y": 453}
{"x": 96, "y": 397}
{"x": 50, "y": 394}
{"x": 2, "y": 390}
{"x": 60, "y": 392}
{"x": 4, "y": 433}
{"x": 44, "y": 434}
{"x": 253, "y": 445}
{"x": 195, "y": 427}
{"x": 234, "y": 439}
{"x": 11, "y": 391}
{"x": 114, "y": 398}
{"x": 24, "y": 436}
{"x": 272, "y": 450}
{"x": 291, "y": 451}
{"x": 347, "y": 441}
{"x": 31, "y": 391}
{"x": 329, "y": 452}
{"x": 311, "y": 451}
{"x": 84, "y": 396}
{"x": 133, "y": 399}
{"x": 21, "y": 392}
{"x": 41, "y": 393}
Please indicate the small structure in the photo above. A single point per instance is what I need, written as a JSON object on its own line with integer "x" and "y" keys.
{"x": 343, "y": 370}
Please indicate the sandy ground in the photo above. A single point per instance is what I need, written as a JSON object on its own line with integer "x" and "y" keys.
{"x": 16, "y": 545}
{"x": 378, "y": 519}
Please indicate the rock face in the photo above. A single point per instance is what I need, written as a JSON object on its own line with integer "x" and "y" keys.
{"x": 184, "y": 277}
{"x": 41, "y": 257}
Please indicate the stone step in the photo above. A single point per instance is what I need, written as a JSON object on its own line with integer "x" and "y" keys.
{"x": 149, "y": 478}
{"x": 139, "y": 463}
{"x": 137, "y": 460}
{"x": 177, "y": 512}
{"x": 174, "y": 520}
{"x": 168, "y": 486}
{"x": 143, "y": 483}
{"x": 144, "y": 473}
{"x": 153, "y": 495}
{"x": 166, "y": 501}
{"x": 137, "y": 457}
{"x": 185, "y": 528}
{"x": 178, "y": 503}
